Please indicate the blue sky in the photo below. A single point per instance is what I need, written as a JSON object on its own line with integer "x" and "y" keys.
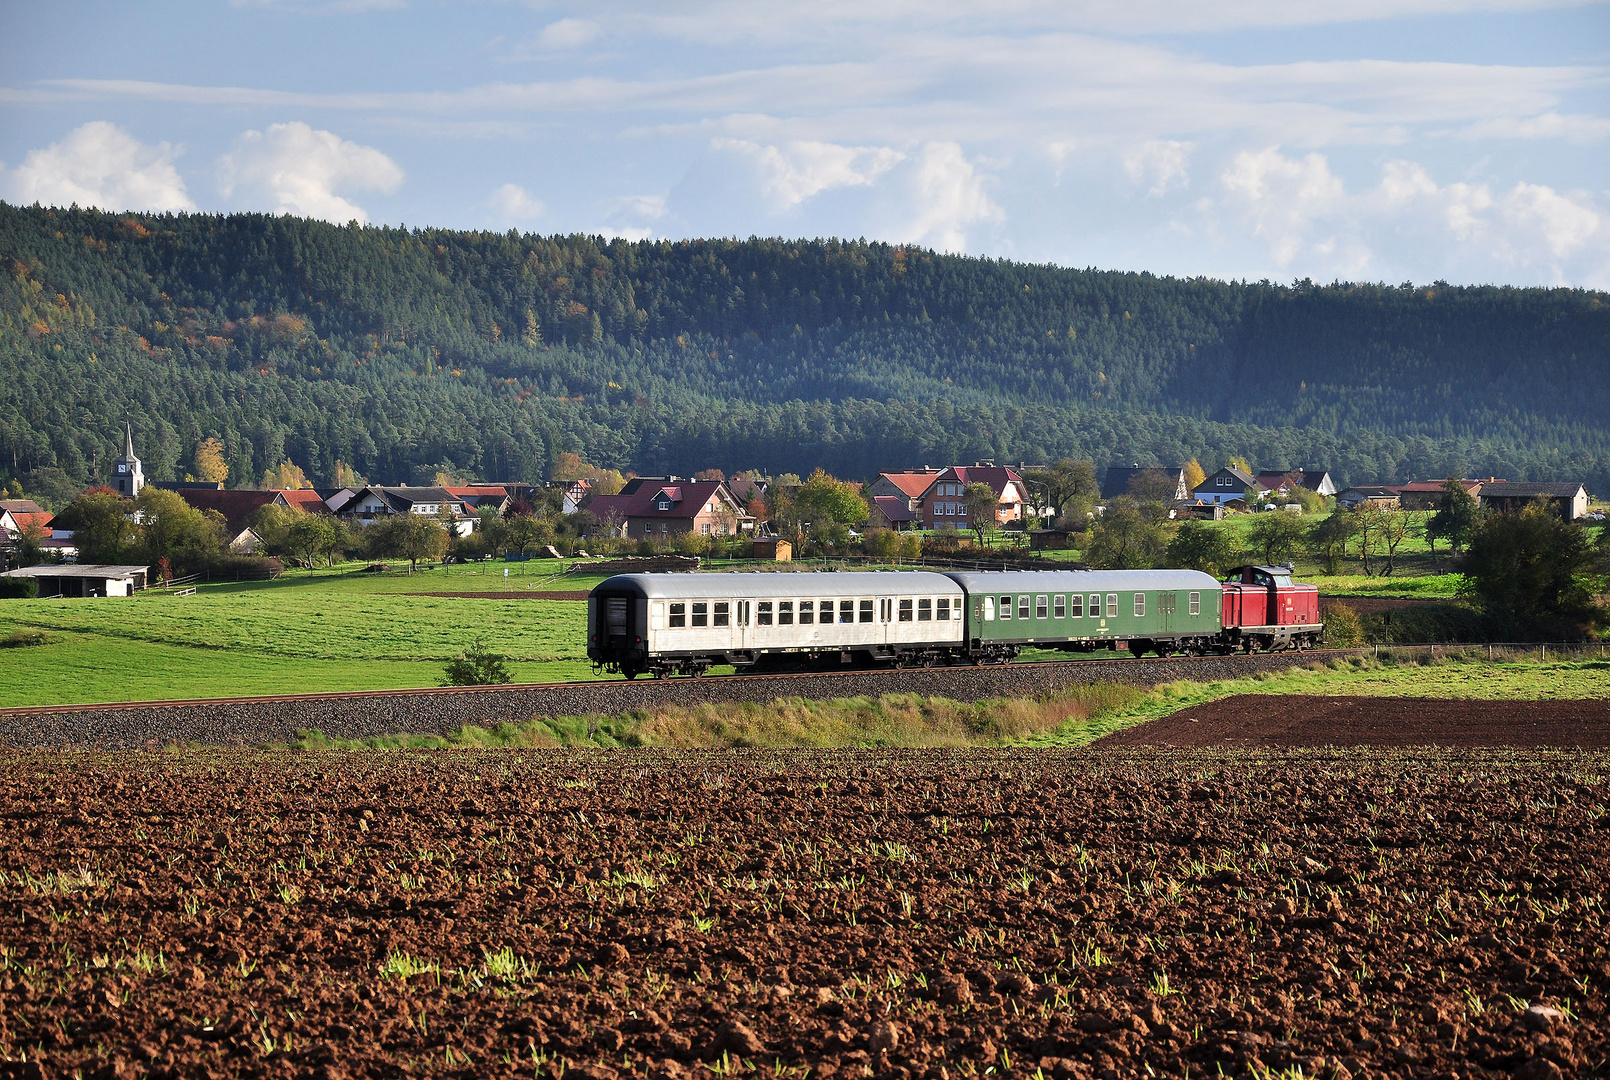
{"x": 1382, "y": 140}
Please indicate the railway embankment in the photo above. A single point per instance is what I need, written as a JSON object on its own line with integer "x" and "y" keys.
{"x": 260, "y": 721}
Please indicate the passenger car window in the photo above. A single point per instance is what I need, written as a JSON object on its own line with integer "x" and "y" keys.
{"x": 1060, "y": 608}
{"x": 905, "y": 610}
{"x": 942, "y": 609}
{"x": 723, "y": 613}
{"x": 846, "y": 611}
{"x": 989, "y": 609}
{"x": 1040, "y": 611}
{"x": 1076, "y": 607}
{"x": 1140, "y": 604}
{"x": 1095, "y": 606}
{"x": 763, "y": 613}
{"x": 679, "y": 616}
{"x": 785, "y": 613}
{"x": 1196, "y": 603}
{"x": 1006, "y": 607}
{"x": 807, "y": 612}
{"x": 1112, "y": 605}
{"x": 925, "y": 610}
{"x": 1023, "y": 606}
{"x": 701, "y": 614}
{"x": 866, "y": 611}
{"x": 656, "y": 615}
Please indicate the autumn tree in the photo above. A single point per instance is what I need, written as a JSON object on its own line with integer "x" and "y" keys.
{"x": 407, "y": 536}
{"x": 1329, "y": 537}
{"x": 171, "y": 528}
{"x": 1126, "y": 537}
{"x": 825, "y": 500}
{"x": 209, "y": 462}
{"x": 1194, "y": 475}
{"x": 102, "y": 526}
{"x": 286, "y": 476}
{"x": 346, "y": 476}
{"x": 1070, "y": 487}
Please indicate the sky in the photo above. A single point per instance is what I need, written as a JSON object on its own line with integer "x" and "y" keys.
{"x": 1466, "y": 141}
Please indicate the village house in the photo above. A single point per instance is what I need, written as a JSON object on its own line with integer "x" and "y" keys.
{"x": 373, "y": 502}
{"x": 1123, "y": 480}
{"x": 1381, "y": 496}
{"x": 1282, "y": 481}
{"x": 1504, "y": 497}
{"x": 478, "y": 497}
{"x": 1427, "y": 494}
{"x": 944, "y": 501}
{"x": 897, "y": 496}
{"x": 1229, "y": 485}
{"x": 666, "y": 506}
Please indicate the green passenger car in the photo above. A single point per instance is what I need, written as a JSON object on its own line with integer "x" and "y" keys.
{"x": 1166, "y": 611}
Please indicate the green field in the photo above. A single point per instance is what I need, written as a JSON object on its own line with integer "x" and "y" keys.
{"x": 308, "y": 631}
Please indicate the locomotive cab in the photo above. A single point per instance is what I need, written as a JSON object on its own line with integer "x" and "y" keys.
{"x": 1265, "y": 609}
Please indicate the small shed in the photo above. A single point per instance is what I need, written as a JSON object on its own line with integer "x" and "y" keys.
{"x": 772, "y": 548}
{"x": 66, "y": 579}
{"x": 1570, "y": 501}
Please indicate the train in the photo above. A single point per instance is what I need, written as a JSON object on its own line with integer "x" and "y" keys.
{"x": 684, "y": 623}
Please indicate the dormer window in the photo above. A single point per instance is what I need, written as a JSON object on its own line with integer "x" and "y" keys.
{"x": 663, "y": 503}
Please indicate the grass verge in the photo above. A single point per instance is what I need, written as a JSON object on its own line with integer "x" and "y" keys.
{"x": 1070, "y": 718}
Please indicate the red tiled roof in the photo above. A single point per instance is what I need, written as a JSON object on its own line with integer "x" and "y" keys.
{"x": 688, "y": 500}
{"x": 235, "y": 506}
{"x": 894, "y": 508}
{"x": 478, "y": 491}
{"x": 911, "y": 481}
{"x": 306, "y": 499}
{"x": 43, "y": 518}
{"x": 996, "y": 476}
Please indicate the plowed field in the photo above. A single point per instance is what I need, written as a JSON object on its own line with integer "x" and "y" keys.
{"x": 828, "y": 914}
{"x": 1293, "y": 720}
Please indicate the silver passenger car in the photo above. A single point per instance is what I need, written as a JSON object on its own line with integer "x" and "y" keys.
{"x": 683, "y": 623}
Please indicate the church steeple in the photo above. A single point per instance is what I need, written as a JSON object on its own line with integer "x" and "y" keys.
{"x": 127, "y": 476}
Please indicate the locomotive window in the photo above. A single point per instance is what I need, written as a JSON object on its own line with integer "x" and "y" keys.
{"x": 701, "y": 614}
{"x": 807, "y": 612}
{"x": 1112, "y": 605}
{"x": 1076, "y": 606}
{"x": 1040, "y": 609}
{"x": 866, "y": 611}
{"x": 942, "y": 609}
{"x": 722, "y": 613}
{"x": 763, "y": 613}
{"x": 905, "y": 610}
{"x": 1006, "y": 607}
{"x": 846, "y": 611}
{"x": 1196, "y": 603}
{"x": 989, "y": 609}
{"x": 785, "y": 613}
{"x": 1060, "y": 607}
{"x": 925, "y": 610}
{"x": 1023, "y": 606}
{"x": 1140, "y": 604}
{"x": 679, "y": 615}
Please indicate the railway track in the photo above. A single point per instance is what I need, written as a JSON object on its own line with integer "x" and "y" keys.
{"x": 274, "y": 718}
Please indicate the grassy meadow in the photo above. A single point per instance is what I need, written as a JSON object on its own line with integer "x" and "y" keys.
{"x": 308, "y": 631}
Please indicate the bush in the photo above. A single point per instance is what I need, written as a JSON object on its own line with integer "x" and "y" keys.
{"x": 18, "y": 588}
{"x": 1343, "y": 628}
{"x": 477, "y": 666}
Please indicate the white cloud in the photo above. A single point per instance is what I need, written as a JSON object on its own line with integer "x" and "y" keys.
{"x": 1279, "y": 197}
{"x": 949, "y": 197}
{"x": 293, "y": 169}
{"x": 568, "y": 34}
{"x": 1550, "y": 125}
{"x": 1303, "y": 213}
{"x": 796, "y": 171}
{"x": 99, "y": 164}
{"x": 1160, "y": 161}
{"x": 511, "y": 202}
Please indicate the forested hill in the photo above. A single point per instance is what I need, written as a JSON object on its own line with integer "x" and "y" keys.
{"x": 404, "y": 352}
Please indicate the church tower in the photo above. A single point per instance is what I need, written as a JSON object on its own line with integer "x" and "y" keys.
{"x": 127, "y": 477}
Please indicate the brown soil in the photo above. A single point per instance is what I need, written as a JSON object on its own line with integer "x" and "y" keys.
{"x": 570, "y": 594}
{"x": 1293, "y": 720}
{"x": 921, "y": 914}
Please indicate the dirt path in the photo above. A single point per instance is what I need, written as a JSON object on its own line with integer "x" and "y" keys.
{"x": 1294, "y": 720}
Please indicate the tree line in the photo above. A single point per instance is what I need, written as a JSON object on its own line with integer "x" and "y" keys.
{"x": 400, "y": 355}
